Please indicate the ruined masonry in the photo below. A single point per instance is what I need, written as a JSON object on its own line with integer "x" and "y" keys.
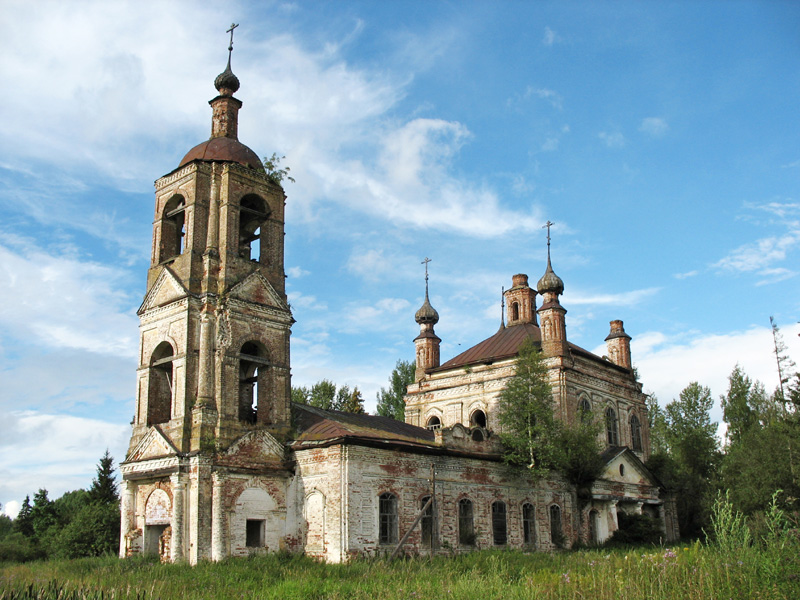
{"x": 221, "y": 463}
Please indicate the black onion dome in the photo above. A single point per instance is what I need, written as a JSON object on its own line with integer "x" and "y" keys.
{"x": 426, "y": 313}
{"x": 550, "y": 282}
{"x": 227, "y": 80}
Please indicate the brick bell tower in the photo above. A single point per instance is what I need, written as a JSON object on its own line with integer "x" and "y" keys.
{"x": 214, "y": 333}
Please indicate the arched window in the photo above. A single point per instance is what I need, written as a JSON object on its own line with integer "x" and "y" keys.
{"x": 253, "y": 214}
{"x": 499, "y": 530}
{"x": 433, "y": 423}
{"x": 556, "y": 532}
{"x": 387, "y": 518}
{"x": 611, "y": 427}
{"x": 253, "y": 365}
{"x": 173, "y": 228}
{"x": 426, "y": 524}
{"x": 466, "y": 523}
{"x": 515, "y": 311}
{"x": 159, "y": 397}
{"x": 528, "y": 524}
{"x": 584, "y": 410}
{"x": 477, "y": 418}
{"x": 636, "y": 433}
{"x": 477, "y": 435}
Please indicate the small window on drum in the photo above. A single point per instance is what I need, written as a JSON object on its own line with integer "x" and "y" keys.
{"x": 433, "y": 423}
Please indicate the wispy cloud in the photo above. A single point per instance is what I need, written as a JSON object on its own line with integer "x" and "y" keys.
{"x": 686, "y": 275}
{"x": 550, "y": 37}
{"x": 612, "y": 139}
{"x": 654, "y": 126}
{"x": 631, "y": 298}
{"x": 760, "y": 254}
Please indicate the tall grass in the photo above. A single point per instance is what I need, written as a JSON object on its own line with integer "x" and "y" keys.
{"x": 734, "y": 564}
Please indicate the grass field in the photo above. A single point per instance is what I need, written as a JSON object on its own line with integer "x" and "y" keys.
{"x": 691, "y": 571}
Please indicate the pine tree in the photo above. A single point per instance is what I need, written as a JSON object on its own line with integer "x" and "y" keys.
{"x": 390, "y": 402}
{"x": 104, "y": 486}
{"x": 24, "y": 521}
{"x": 323, "y": 395}
{"x": 354, "y": 403}
{"x": 785, "y": 364}
{"x": 736, "y": 405}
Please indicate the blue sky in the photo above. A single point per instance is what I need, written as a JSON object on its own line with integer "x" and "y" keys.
{"x": 661, "y": 138}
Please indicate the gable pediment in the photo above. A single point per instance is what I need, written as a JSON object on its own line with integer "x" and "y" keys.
{"x": 255, "y": 447}
{"x": 166, "y": 289}
{"x": 257, "y": 289}
{"x": 153, "y": 445}
{"x": 632, "y": 470}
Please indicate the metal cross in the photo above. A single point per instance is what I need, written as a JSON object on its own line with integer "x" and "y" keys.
{"x": 230, "y": 48}
{"x": 547, "y": 226}
{"x": 425, "y": 262}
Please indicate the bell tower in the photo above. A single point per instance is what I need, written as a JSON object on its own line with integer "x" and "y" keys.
{"x": 215, "y": 323}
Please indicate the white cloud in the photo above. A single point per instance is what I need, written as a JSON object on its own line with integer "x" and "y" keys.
{"x": 61, "y": 453}
{"x": 11, "y": 508}
{"x": 550, "y": 37}
{"x": 550, "y": 144}
{"x": 760, "y": 254}
{"x": 297, "y": 272}
{"x": 551, "y": 96}
{"x": 612, "y": 139}
{"x": 631, "y": 298}
{"x": 667, "y": 364}
{"x": 654, "y": 126}
{"x": 64, "y": 302}
{"x": 686, "y": 275}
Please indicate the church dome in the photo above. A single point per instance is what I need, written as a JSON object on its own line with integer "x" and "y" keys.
{"x": 550, "y": 282}
{"x": 224, "y": 149}
{"x": 426, "y": 313}
{"x": 226, "y": 82}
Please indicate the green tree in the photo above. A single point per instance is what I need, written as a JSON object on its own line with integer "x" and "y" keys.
{"x": 528, "y": 428}
{"x": 93, "y": 531}
{"x": 43, "y": 515}
{"x": 323, "y": 395}
{"x": 342, "y": 398}
{"x": 300, "y": 395}
{"x": 390, "y": 401}
{"x": 579, "y": 455}
{"x": 657, "y": 422}
{"x": 784, "y": 363}
{"x": 24, "y": 521}
{"x": 693, "y": 446}
{"x": 354, "y": 403}
{"x": 104, "y": 486}
{"x": 275, "y": 173}
{"x": 737, "y": 408}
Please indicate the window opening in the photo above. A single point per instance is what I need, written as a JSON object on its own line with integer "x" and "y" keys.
{"x": 528, "y": 524}
{"x": 254, "y": 534}
{"x": 152, "y": 538}
{"x": 556, "y": 533}
{"x": 426, "y": 523}
{"x": 434, "y": 423}
{"x": 515, "y": 311}
{"x": 611, "y": 427}
{"x": 593, "y": 516}
{"x": 387, "y": 518}
{"x": 173, "y": 228}
{"x": 253, "y": 213}
{"x": 160, "y": 390}
{"x": 636, "y": 433}
{"x": 252, "y": 365}
{"x": 499, "y": 531}
{"x": 477, "y": 435}
{"x": 478, "y": 419}
{"x": 466, "y": 524}
{"x": 584, "y": 410}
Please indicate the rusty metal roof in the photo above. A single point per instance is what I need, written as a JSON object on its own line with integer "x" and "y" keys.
{"x": 224, "y": 149}
{"x": 318, "y": 425}
{"x": 503, "y": 344}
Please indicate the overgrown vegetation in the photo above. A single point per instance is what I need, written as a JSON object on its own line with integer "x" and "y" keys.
{"x": 762, "y": 565}
{"x": 79, "y": 523}
{"x": 390, "y": 401}
{"x": 325, "y": 395}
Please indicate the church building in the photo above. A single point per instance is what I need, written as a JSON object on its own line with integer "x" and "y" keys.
{"x": 222, "y": 463}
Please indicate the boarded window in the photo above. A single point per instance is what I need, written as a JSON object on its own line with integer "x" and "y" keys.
{"x": 387, "y": 518}
{"x": 528, "y": 524}
{"x": 466, "y": 523}
{"x": 499, "y": 529}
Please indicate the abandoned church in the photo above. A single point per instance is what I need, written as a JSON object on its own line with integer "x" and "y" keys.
{"x": 221, "y": 462}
